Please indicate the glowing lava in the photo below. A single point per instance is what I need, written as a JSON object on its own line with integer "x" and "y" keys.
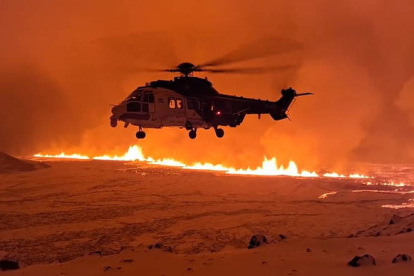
{"x": 63, "y": 155}
{"x": 409, "y": 204}
{"x": 134, "y": 153}
{"x": 269, "y": 166}
{"x": 325, "y": 195}
{"x": 392, "y": 183}
{"x": 334, "y": 175}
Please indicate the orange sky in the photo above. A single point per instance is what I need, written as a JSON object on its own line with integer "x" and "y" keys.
{"x": 57, "y": 79}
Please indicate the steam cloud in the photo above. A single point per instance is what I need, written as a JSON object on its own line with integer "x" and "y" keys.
{"x": 57, "y": 79}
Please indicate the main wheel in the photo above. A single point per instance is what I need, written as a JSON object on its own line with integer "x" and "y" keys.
{"x": 192, "y": 134}
{"x": 219, "y": 133}
{"x": 114, "y": 123}
{"x": 140, "y": 134}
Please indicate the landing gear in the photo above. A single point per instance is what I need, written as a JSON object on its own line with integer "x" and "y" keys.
{"x": 219, "y": 132}
{"x": 193, "y": 133}
{"x": 114, "y": 123}
{"x": 140, "y": 134}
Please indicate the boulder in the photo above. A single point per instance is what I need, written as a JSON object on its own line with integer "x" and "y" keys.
{"x": 108, "y": 267}
{"x": 365, "y": 260}
{"x": 257, "y": 240}
{"x": 401, "y": 258}
{"x": 96, "y": 253}
{"x": 9, "y": 265}
{"x": 127, "y": 261}
{"x": 395, "y": 219}
{"x": 282, "y": 237}
{"x": 161, "y": 246}
{"x": 405, "y": 230}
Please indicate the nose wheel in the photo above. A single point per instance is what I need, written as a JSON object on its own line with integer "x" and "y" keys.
{"x": 219, "y": 132}
{"x": 140, "y": 134}
{"x": 193, "y": 133}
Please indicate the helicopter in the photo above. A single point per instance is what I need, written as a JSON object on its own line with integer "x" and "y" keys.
{"x": 192, "y": 103}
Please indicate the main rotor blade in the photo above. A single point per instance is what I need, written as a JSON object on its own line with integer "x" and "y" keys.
{"x": 251, "y": 70}
{"x": 258, "y": 49}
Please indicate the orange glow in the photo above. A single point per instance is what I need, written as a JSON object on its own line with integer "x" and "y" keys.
{"x": 269, "y": 167}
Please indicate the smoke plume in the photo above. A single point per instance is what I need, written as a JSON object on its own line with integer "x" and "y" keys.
{"x": 64, "y": 63}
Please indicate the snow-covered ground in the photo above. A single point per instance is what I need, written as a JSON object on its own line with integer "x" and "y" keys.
{"x": 60, "y": 220}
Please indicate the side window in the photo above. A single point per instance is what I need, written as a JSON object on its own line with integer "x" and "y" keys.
{"x": 179, "y": 103}
{"x": 190, "y": 104}
{"x": 197, "y": 105}
{"x": 171, "y": 102}
{"x": 146, "y": 98}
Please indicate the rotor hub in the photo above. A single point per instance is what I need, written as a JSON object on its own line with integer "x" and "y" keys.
{"x": 186, "y": 68}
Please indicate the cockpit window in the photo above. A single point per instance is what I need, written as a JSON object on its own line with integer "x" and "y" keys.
{"x": 137, "y": 97}
{"x": 133, "y": 107}
{"x": 134, "y": 97}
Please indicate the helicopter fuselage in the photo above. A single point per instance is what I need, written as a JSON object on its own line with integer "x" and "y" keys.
{"x": 192, "y": 103}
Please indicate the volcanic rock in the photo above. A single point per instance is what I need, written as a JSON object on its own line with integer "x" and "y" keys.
{"x": 395, "y": 226}
{"x": 9, "y": 265}
{"x": 401, "y": 258}
{"x": 394, "y": 219}
{"x": 127, "y": 261}
{"x": 282, "y": 237}
{"x": 405, "y": 230}
{"x": 96, "y": 253}
{"x": 161, "y": 246}
{"x": 108, "y": 267}
{"x": 365, "y": 260}
{"x": 257, "y": 240}
{"x": 11, "y": 164}
{"x": 123, "y": 248}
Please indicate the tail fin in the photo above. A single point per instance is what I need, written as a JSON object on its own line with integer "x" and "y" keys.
{"x": 284, "y": 102}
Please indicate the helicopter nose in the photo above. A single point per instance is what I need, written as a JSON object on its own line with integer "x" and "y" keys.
{"x": 117, "y": 110}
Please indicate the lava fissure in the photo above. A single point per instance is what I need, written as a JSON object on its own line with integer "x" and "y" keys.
{"x": 269, "y": 166}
